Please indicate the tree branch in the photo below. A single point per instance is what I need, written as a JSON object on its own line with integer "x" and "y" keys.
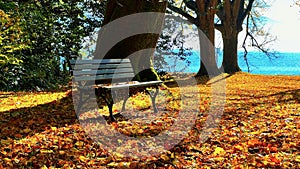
{"x": 255, "y": 43}
{"x": 246, "y": 12}
{"x": 244, "y": 45}
{"x": 220, "y": 12}
{"x": 219, "y": 27}
{"x": 191, "y": 5}
{"x": 241, "y": 12}
{"x": 184, "y": 14}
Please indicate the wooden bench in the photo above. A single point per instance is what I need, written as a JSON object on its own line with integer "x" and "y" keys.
{"x": 110, "y": 77}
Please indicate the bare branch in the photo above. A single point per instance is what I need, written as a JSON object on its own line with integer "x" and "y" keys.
{"x": 244, "y": 45}
{"x": 220, "y": 11}
{"x": 219, "y": 27}
{"x": 184, "y": 14}
{"x": 254, "y": 42}
{"x": 246, "y": 12}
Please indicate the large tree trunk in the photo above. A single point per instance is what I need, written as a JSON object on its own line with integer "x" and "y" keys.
{"x": 134, "y": 46}
{"x": 232, "y": 15}
{"x": 230, "y": 55}
{"x": 208, "y": 64}
{"x": 208, "y": 60}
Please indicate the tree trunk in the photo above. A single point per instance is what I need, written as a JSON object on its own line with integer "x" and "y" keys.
{"x": 230, "y": 56}
{"x": 130, "y": 47}
{"x": 232, "y": 15}
{"x": 208, "y": 64}
{"x": 208, "y": 60}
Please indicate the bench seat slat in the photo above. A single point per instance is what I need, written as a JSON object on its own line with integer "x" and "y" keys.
{"x": 104, "y": 77}
{"x": 103, "y": 71}
{"x": 139, "y": 84}
{"x": 101, "y": 66}
{"x": 101, "y": 61}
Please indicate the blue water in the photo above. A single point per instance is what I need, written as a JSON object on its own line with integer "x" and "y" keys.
{"x": 259, "y": 63}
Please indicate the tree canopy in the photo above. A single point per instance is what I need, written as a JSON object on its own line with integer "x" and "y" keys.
{"x": 37, "y": 36}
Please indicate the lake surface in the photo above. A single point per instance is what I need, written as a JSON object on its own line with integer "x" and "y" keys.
{"x": 259, "y": 63}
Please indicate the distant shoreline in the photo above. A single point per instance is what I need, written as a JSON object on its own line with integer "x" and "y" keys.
{"x": 286, "y": 63}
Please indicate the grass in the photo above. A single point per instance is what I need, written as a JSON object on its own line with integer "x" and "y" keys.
{"x": 259, "y": 127}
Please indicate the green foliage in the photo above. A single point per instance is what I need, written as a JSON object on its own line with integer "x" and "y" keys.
{"x": 9, "y": 39}
{"x": 38, "y": 37}
{"x": 10, "y": 33}
{"x": 11, "y": 42}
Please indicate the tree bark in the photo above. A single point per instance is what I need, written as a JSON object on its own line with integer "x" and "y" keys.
{"x": 230, "y": 55}
{"x": 141, "y": 61}
{"x": 232, "y": 15}
{"x": 206, "y": 12}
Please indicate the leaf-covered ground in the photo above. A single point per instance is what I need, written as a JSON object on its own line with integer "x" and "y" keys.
{"x": 259, "y": 128}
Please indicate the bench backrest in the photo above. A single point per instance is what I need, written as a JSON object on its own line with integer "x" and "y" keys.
{"x": 102, "y": 70}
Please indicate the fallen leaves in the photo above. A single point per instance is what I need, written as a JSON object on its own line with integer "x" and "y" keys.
{"x": 260, "y": 128}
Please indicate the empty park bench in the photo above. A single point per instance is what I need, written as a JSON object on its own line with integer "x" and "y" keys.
{"x": 109, "y": 78}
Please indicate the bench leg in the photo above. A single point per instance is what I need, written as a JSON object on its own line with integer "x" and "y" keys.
{"x": 108, "y": 98}
{"x": 110, "y": 108}
{"x": 80, "y": 102}
{"x": 110, "y": 104}
{"x": 124, "y": 103}
{"x": 153, "y": 99}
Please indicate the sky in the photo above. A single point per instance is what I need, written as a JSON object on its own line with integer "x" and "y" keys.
{"x": 285, "y": 24}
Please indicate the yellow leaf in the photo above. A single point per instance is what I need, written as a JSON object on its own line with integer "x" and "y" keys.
{"x": 6, "y": 142}
{"x": 112, "y": 164}
{"x": 7, "y": 159}
{"x": 61, "y": 133}
{"x": 16, "y": 160}
{"x": 297, "y": 159}
{"x": 140, "y": 131}
{"x": 255, "y": 132}
{"x": 265, "y": 162}
{"x": 219, "y": 151}
{"x": 79, "y": 143}
{"x": 68, "y": 140}
{"x": 118, "y": 155}
{"x": 172, "y": 155}
{"x": 239, "y": 147}
{"x": 219, "y": 159}
{"x": 27, "y": 130}
{"x": 164, "y": 157}
{"x": 46, "y": 151}
{"x": 83, "y": 158}
{"x": 54, "y": 147}
{"x": 44, "y": 167}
